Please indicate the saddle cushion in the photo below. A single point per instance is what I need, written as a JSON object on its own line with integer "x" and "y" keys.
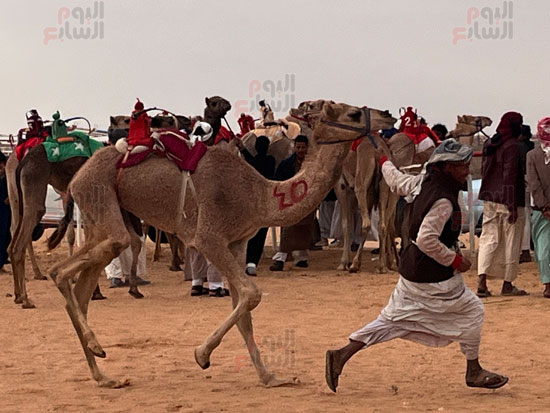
{"x": 75, "y": 144}
{"x": 171, "y": 144}
{"x": 22, "y": 149}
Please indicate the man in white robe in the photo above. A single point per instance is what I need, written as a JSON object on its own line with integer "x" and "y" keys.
{"x": 430, "y": 304}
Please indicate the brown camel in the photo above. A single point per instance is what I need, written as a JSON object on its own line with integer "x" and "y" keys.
{"x": 217, "y": 222}
{"x": 11, "y": 167}
{"x": 469, "y": 131}
{"x": 27, "y": 187}
{"x": 362, "y": 180}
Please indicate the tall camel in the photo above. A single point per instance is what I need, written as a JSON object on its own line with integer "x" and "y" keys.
{"x": 362, "y": 178}
{"x": 217, "y": 222}
{"x": 27, "y": 186}
{"x": 11, "y": 166}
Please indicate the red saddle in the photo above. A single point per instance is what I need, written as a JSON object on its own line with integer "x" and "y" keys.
{"x": 22, "y": 149}
{"x": 171, "y": 144}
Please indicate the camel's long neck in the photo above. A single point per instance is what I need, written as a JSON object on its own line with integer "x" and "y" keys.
{"x": 290, "y": 201}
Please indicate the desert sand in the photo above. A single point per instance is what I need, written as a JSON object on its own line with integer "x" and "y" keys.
{"x": 303, "y": 313}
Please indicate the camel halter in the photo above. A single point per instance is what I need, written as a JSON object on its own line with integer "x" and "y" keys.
{"x": 304, "y": 119}
{"x": 363, "y": 131}
{"x": 479, "y": 129}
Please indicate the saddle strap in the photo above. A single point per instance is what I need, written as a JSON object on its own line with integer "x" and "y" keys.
{"x": 186, "y": 182}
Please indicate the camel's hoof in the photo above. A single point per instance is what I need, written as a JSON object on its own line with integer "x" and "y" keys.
{"x": 135, "y": 293}
{"x": 275, "y": 382}
{"x": 28, "y": 304}
{"x": 113, "y": 384}
{"x": 18, "y": 299}
{"x": 354, "y": 268}
{"x": 204, "y": 364}
{"x": 40, "y": 277}
{"x": 174, "y": 268}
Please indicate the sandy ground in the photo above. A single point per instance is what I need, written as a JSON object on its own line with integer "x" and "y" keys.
{"x": 302, "y": 314}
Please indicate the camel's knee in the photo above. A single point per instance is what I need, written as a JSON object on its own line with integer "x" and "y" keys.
{"x": 251, "y": 297}
{"x": 120, "y": 245}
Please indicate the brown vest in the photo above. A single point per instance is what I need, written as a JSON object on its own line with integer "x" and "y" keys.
{"x": 414, "y": 264}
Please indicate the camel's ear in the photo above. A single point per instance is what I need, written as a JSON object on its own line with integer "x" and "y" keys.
{"x": 207, "y": 101}
{"x": 330, "y": 112}
{"x": 113, "y": 121}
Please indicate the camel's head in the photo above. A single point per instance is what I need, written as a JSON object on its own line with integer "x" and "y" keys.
{"x": 119, "y": 122}
{"x": 308, "y": 111}
{"x": 118, "y": 128}
{"x": 468, "y": 125}
{"x": 340, "y": 122}
{"x": 216, "y": 107}
{"x": 171, "y": 122}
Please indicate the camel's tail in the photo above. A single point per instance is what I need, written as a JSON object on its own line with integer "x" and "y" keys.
{"x": 59, "y": 233}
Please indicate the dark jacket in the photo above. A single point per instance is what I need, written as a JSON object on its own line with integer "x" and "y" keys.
{"x": 414, "y": 265}
{"x": 265, "y": 165}
{"x": 285, "y": 170}
{"x": 502, "y": 168}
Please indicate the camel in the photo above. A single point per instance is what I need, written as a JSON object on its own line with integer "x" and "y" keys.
{"x": 11, "y": 166}
{"x": 403, "y": 155}
{"x": 216, "y": 220}
{"x": 362, "y": 178}
{"x": 467, "y": 131}
{"x": 27, "y": 186}
{"x": 360, "y": 183}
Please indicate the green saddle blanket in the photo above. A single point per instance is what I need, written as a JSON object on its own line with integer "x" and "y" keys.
{"x": 70, "y": 146}
{"x": 63, "y": 145}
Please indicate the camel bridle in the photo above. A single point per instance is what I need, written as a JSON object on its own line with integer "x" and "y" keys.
{"x": 363, "y": 131}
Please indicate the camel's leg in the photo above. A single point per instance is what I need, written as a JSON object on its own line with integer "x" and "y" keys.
{"x": 90, "y": 263}
{"x": 244, "y": 324}
{"x": 215, "y": 250}
{"x": 71, "y": 237}
{"x": 87, "y": 282}
{"x": 35, "y": 268}
{"x": 175, "y": 244}
{"x": 363, "y": 179}
{"x": 386, "y": 207}
{"x": 135, "y": 244}
{"x": 33, "y": 186}
{"x": 344, "y": 196}
{"x": 156, "y": 254}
